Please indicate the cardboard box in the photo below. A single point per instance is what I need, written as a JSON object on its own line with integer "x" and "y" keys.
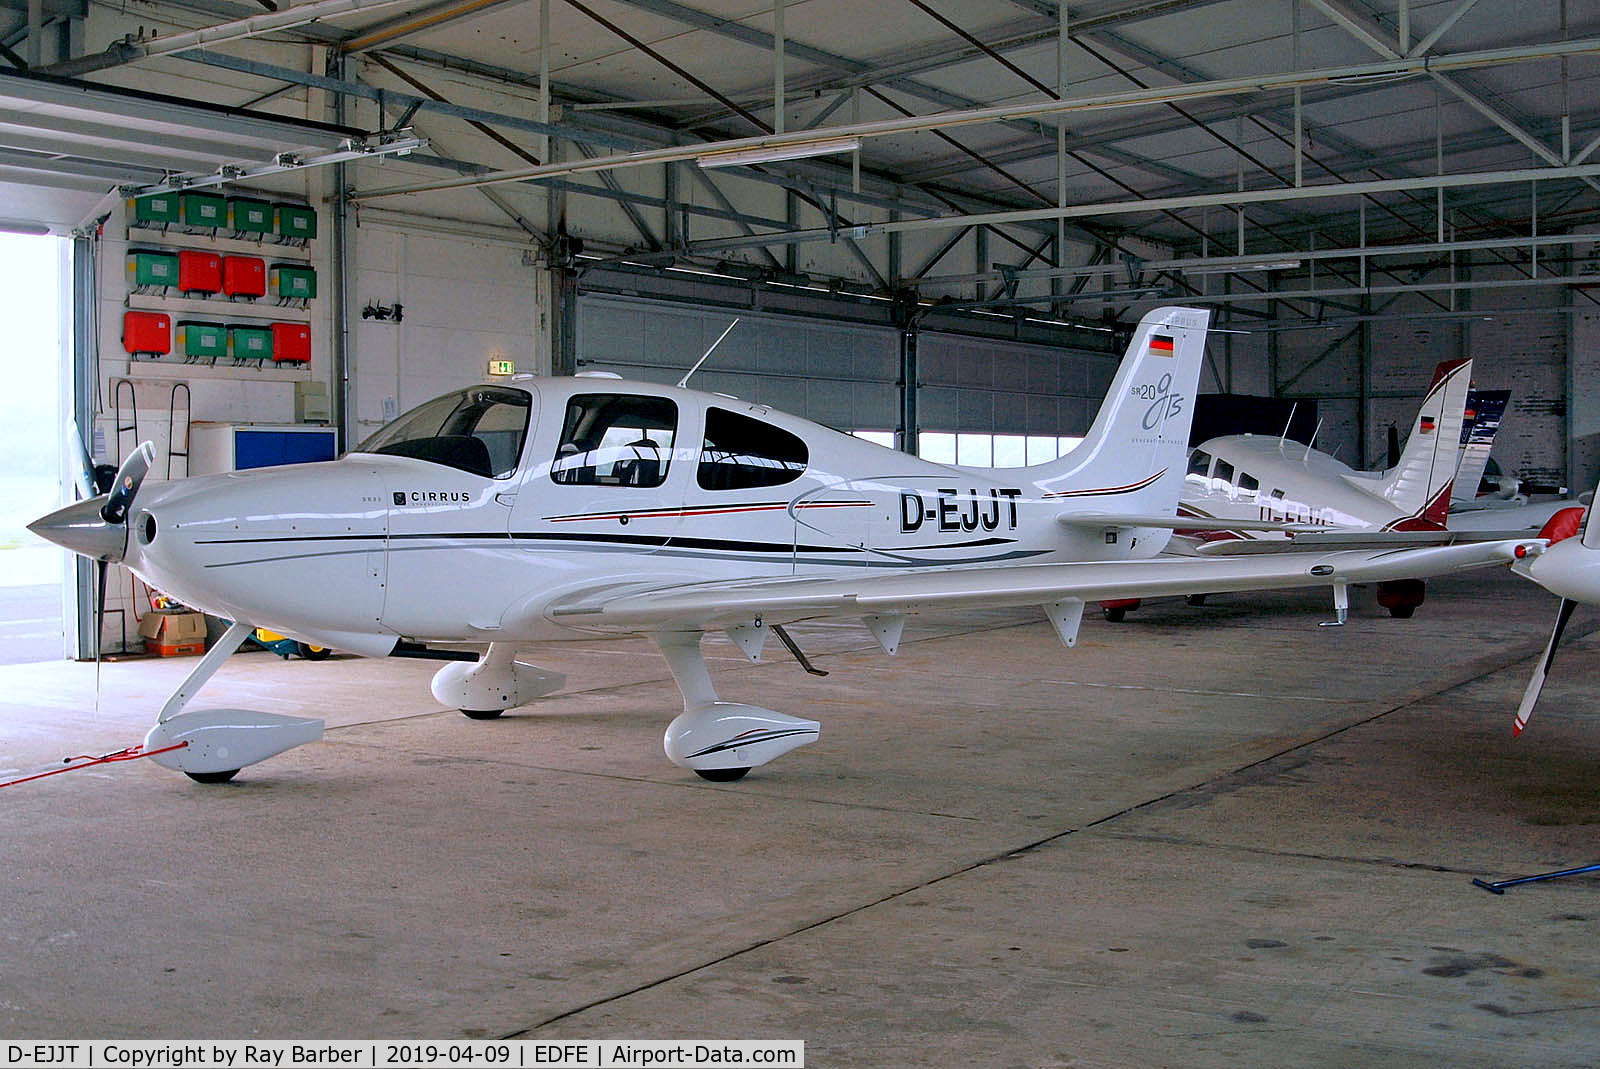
{"x": 173, "y": 633}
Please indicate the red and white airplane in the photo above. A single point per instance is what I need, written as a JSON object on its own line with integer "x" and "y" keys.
{"x": 550, "y": 509}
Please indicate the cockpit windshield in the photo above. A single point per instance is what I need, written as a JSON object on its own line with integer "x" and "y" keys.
{"x": 478, "y": 430}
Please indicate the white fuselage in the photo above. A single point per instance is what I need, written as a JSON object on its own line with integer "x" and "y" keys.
{"x": 1245, "y": 477}
{"x": 371, "y": 548}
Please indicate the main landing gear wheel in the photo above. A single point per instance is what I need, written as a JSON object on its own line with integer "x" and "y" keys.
{"x": 313, "y": 653}
{"x": 1195, "y": 599}
{"x": 212, "y": 777}
{"x": 481, "y": 714}
{"x": 721, "y": 775}
{"x": 1116, "y": 615}
{"x": 1402, "y": 612}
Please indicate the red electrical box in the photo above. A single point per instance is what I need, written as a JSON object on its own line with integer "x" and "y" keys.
{"x": 199, "y": 272}
{"x": 244, "y": 276}
{"x": 291, "y": 343}
{"x": 147, "y": 332}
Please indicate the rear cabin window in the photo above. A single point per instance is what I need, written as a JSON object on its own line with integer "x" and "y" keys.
{"x": 1222, "y": 475}
{"x": 1248, "y": 484}
{"x": 741, "y": 452}
{"x": 612, "y": 439}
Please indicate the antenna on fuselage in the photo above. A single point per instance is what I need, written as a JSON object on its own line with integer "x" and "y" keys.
{"x": 1317, "y": 430}
{"x": 685, "y": 380}
{"x": 1284, "y": 437}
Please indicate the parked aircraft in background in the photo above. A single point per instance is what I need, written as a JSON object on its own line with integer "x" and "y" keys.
{"x": 548, "y": 509}
{"x": 1508, "y": 510}
{"x": 1250, "y": 494}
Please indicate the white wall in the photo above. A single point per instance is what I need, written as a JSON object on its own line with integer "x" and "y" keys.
{"x": 466, "y": 302}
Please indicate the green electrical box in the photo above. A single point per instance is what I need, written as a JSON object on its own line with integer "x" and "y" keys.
{"x": 208, "y": 210}
{"x": 158, "y": 209}
{"x": 295, "y": 222}
{"x": 293, "y": 282}
{"x": 247, "y": 215}
{"x": 250, "y": 343}
{"x": 147, "y": 269}
{"x": 201, "y": 341}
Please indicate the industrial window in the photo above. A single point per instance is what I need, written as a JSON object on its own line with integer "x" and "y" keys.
{"x": 615, "y": 440}
{"x": 741, "y": 453}
{"x": 993, "y": 450}
{"x": 478, "y": 430}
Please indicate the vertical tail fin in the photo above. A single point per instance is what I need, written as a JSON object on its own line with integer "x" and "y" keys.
{"x": 1132, "y": 460}
{"x": 1480, "y": 424}
{"x": 1420, "y": 484}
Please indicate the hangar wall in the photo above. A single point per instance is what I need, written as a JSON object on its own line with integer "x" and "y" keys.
{"x": 841, "y": 376}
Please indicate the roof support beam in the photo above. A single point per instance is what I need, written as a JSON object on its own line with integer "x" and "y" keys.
{"x": 1135, "y": 207}
{"x": 1099, "y": 102}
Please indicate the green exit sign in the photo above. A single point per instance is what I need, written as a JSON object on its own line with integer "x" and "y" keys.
{"x": 502, "y": 367}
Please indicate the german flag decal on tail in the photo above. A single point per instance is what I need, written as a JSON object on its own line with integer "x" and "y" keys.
{"x": 1160, "y": 345}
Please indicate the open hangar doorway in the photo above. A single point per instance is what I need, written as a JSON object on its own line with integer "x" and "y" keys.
{"x": 36, "y": 597}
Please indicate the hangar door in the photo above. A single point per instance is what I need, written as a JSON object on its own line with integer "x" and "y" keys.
{"x": 839, "y": 375}
{"x": 1004, "y": 402}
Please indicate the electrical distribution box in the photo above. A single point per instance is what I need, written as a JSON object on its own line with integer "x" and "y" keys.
{"x": 291, "y": 343}
{"x": 252, "y": 344}
{"x": 244, "y": 276}
{"x": 148, "y": 269}
{"x": 247, "y": 215}
{"x": 199, "y": 272}
{"x": 293, "y": 282}
{"x": 203, "y": 211}
{"x": 157, "y": 210}
{"x": 201, "y": 341}
{"x": 295, "y": 222}
{"x": 147, "y": 332}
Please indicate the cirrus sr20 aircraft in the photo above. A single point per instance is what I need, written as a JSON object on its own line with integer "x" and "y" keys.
{"x": 562, "y": 508}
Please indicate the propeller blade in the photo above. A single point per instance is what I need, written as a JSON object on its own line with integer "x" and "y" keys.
{"x": 100, "y": 570}
{"x": 129, "y": 476}
{"x": 1536, "y": 684}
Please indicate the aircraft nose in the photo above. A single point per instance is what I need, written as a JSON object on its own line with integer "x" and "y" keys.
{"x": 81, "y": 528}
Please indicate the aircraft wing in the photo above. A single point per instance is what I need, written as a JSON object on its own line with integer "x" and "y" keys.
{"x": 1169, "y": 521}
{"x": 714, "y": 606}
{"x": 1323, "y": 540}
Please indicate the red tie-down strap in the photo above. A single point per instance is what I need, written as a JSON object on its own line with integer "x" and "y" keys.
{"x": 73, "y": 764}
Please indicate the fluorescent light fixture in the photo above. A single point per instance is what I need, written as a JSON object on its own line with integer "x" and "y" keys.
{"x": 1276, "y": 265}
{"x": 799, "y": 150}
{"x": 17, "y": 227}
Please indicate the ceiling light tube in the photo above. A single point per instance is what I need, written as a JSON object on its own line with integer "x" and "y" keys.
{"x": 800, "y": 150}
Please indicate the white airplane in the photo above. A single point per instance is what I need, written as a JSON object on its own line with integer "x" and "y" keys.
{"x": 549, "y": 509}
{"x": 1508, "y": 510}
{"x": 1253, "y": 493}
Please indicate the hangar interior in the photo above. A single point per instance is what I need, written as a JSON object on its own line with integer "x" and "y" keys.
{"x": 937, "y": 223}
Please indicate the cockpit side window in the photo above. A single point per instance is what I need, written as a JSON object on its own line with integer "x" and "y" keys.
{"x": 478, "y": 430}
{"x": 1199, "y": 463}
{"x": 612, "y": 439}
{"x": 741, "y": 453}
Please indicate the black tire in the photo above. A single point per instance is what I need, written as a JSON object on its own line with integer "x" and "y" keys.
{"x": 1116, "y": 615}
{"x": 1195, "y": 599}
{"x": 212, "y": 777}
{"x": 721, "y": 775}
{"x": 481, "y": 714}
{"x": 1402, "y": 612}
{"x": 312, "y": 653}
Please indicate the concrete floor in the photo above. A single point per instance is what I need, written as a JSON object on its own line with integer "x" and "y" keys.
{"x": 1205, "y": 836}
